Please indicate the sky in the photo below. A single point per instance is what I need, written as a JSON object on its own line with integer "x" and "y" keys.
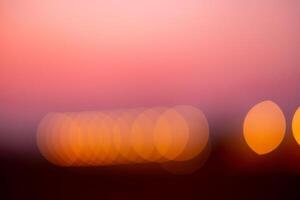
{"x": 221, "y": 56}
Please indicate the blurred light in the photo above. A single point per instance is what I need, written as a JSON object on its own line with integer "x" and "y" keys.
{"x": 181, "y": 133}
{"x": 121, "y": 137}
{"x": 46, "y": 138}
{"x": 122, "y": 128}
{"x": 171, "y": 134}
{"x": 264, "y": 127}
{"x": 296, "y": 125}
{"x": 143, "y": 135}
{"x": 198, "y": 132}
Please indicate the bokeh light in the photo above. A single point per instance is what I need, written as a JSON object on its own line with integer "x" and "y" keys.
{"x": 154, "y": 135}
{"x": 171, "y": 134}
{"x": 296, "y": 125}
{"x": 198, "y": 132}
{"x": 122, "y": 128}
{"x": 142, "y": 135}
{"x": 264, "y": 127}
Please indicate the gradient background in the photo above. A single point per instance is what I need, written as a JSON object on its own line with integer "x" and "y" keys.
{"x": 221, "y": 56}
{"x": 63, "y": 55}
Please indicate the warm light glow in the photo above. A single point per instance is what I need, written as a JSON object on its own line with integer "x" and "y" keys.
{"x": 296, "y": 125}
{"x": 264, "y": 127}
{"x": 142, "y": 135}
{"x": 181, "y": 133}
{"x": 76, "y": 139}
{"x": 198, "y": 132}
{"x": 59, "y": 140}
{"x": 122, "y": 128}
{"x": 122, "y": 137}
{"x": 171, "y": 134}
{"x": 42, "y": 134}
{"x": 48, "y": 141}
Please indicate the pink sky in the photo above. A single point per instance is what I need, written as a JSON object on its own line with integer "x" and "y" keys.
{"x": 221, "y": 56}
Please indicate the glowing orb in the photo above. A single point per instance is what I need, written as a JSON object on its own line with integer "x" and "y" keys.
{"x": 264, "y": 127}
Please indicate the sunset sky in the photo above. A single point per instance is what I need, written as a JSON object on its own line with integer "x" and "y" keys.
{"x": 221, "y": 56}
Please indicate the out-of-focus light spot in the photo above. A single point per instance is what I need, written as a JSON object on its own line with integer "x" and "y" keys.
{"x": 105, "y": 130}
{"x": 48, "y": 142}
{"x": 296, "y": 125}
{"x": 171, "y": 134}
{"x": 122, "y": 128}
{"x": 64, "y": 138}
{"x": 264, "y": 127}
{"x": 99, "y": 150}
{"x": 76, "y": 139}
{"x": 86, "y": 138}
{"x": 142, "y": 135}
{"x": 56, "y": 139}
{"x": 198, "y": 132}
{"x": 181, "y": 133}
{"x": 42, "y": 134}
{"x": 157, "y": 135}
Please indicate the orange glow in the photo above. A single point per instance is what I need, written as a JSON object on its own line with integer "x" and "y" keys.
{"x": 60, "y": 140}
{"x": 76, "y": 139}
{"x": 123, "y": 137}
{"x": 123, "y": 129}
{"x": 142, "y": 135}
{"x": 48, "y": 142}
{"x": 264, "y": 127}
{"x": 181, "y": 133}
{"x": 198, "y": 132}
{"x": 296, "y": 125}
{"x": 171, "y": 134}
{"x": 65, "y": 135}
{"x": 42, "y": 136}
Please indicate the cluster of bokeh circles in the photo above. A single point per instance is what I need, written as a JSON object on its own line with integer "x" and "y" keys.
{"x": 265, "y": 127}
{"x": 152, "y": 135}
{"x": 162, "y": 135}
